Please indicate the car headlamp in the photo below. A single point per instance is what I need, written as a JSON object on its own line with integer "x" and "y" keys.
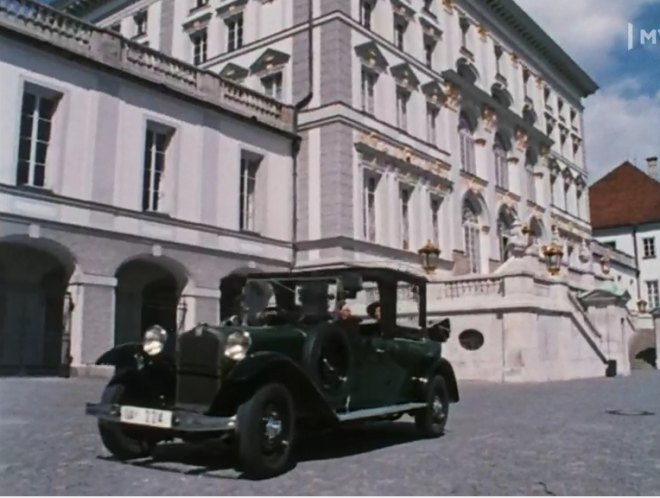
{"x": 154, "y": 340}
{"x": 238, "y": 344}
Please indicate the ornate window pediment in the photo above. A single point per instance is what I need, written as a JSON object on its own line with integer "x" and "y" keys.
{"x": 231, "y": 8}
{"x": 197, "y": 24}
{"x": 430, "y": 30}
{"x": 403, "y": 10}
{"x": 433, "y": 92}
{"x": 270, "y": 60}
{"x": 371, "y": 56}
{"x": 234, "y": 72}
{"x": 405, "y": 76}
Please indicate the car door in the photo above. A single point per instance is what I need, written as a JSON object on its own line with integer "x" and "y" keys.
{"x": 373, "y": 373}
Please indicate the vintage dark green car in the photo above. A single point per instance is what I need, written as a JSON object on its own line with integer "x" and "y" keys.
{"x": 309, "y": 349}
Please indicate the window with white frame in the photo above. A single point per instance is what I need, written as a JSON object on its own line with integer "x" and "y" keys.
{"x": 464, "y": 24}
{"x": 526, "y": 77}
{"x": 37, "y": 111}
{"x": 553, "y": 183}
{"x": 402, "y": 97}
{"x": 140, "y": 20}
{"x": 198, "y": 4}
{"x": 368, "y": 89}
{"x": 429, "y": 50}
{"x": 649, "y": 247}
{"x": 653, "y": 293}
{"x": 157, "y": 141}
{"x": 272, "y": 85}
{"x": 404, "y": 198}
{"x": 578, "y": 203}
{"x": 369, "y": 206}
{"x": 471, "y": 237}
{"x": 567, "y": 188}
{"x": 366, "y": 9}
{"x": 436, "y": 202}
{"x": 199, "y": 45}
{"x": 248, "y": 190}
{"x": 531, "y": 183}
{"x": 234, "y": 32}
{"x": 504, "y": 225}
{"x": 498, "y": 58}
{"x": 431, "y": 124}
{"x": 501, "y": 163}
{"x": 468, "y": 162}
{"x": 399, "y": 32}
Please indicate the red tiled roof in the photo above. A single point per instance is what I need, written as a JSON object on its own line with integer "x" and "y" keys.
{"x": 625, "y": 196}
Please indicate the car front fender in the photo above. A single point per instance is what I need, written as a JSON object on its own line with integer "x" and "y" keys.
{"x": 264, "y": 368}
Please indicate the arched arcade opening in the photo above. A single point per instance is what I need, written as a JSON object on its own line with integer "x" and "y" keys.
{"x": 34, "y": 307}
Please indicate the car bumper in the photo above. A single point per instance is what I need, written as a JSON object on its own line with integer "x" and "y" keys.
{"x": 182, "y": 421}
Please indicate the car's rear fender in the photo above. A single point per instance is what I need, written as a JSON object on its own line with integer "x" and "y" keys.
{"x": 263, "y": 368}
{"x": 444, "y": 368}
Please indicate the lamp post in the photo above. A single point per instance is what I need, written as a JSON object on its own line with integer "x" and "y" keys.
{"x": 641, "y": 306}
{"x": 553, "y": 254}
{"x": 429, "y": 256}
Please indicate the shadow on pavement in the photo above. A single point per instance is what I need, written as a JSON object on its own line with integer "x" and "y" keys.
{"x": 214, "y": 456}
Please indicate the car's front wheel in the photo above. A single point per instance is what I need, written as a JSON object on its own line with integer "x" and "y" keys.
{"x": 432, "y": 419}
{"x": 265, "y": 426}
{"x": 123, "y": 442}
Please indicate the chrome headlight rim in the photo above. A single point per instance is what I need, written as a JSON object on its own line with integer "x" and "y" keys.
{"x": 238, "y": 344}
{"x": 154, "y": 339}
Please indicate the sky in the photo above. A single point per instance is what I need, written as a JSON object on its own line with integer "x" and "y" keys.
{"x": 622, "y": 120}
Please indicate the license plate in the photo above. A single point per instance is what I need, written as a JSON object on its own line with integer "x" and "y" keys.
{"x": 146, "y": 416}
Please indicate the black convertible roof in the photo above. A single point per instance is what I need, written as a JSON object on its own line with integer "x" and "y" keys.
{"x": 376, "y": 272}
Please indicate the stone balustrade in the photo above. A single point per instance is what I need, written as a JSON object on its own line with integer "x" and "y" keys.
{"x": 101, "y": 46}
{"x": 471, "y": 286}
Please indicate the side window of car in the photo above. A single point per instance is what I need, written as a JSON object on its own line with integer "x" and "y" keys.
{"x": 407, "y": 309}
{"x": 365, "y": 306}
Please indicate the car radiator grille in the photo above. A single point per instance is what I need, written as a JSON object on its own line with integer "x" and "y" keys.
{"x": 199, "y": 356}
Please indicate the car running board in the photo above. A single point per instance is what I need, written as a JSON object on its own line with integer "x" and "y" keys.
{"x": 377, "y": 412}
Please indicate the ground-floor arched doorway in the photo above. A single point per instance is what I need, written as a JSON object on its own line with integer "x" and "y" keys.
{"x": 148, "y": 294}
{"x": 33, "y": 310}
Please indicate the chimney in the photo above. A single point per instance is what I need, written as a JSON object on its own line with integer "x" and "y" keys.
{"x": 652, "y": 167}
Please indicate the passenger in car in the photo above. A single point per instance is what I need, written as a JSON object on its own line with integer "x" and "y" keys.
{"x": 373, "y": 310}
{"x": 344, "y": 312}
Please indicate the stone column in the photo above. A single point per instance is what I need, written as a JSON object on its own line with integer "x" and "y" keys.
{"x": 203, "y": 306}
{"x": 92, "y": 318}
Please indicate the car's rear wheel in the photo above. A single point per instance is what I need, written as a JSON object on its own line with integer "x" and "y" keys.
{"x": 265, "y": 426}
{"x": 432, "y": 419}
{"x": 125, "y": 443}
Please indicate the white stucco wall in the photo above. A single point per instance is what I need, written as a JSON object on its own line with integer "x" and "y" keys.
{"x": 77, "y": 136}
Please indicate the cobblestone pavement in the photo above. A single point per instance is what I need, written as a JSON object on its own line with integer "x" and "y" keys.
{"x": 554, "y": 438}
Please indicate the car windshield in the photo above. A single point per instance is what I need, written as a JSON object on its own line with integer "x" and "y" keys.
{"x": 289, "y": 300}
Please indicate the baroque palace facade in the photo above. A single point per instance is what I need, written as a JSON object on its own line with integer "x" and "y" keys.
{"x": 194, "y": 139}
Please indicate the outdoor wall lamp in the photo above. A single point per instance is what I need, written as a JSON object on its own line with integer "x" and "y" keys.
{"x": 430, "y": 257}
{"x": 605, "y": 264}
{"x": 553, "y": 254}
